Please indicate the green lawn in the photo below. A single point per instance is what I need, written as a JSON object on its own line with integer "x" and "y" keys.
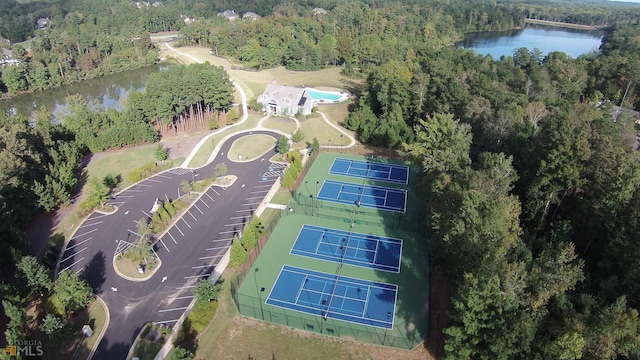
{"x": 316, "y": 127}
{"x": 147, "y": 350}
{"x": 203, "y": 154}
{"x": 283, "y": 124}
{"x": 251, "y": 147}
{"x": 98, "y": 315}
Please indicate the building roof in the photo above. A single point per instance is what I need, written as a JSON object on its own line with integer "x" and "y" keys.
{"x": 229, "y": 14}
{"x": 280, "y": 93}
{"x": 319, "y": 11}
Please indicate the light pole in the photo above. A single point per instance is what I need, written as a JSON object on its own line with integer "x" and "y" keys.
{"x": 260, "y": 298}
{"x": 312, "y": 206}
{"x": 341, "y": 143}
{"x": 317, "y": 183}
{"x": 324, "y": 302}
{"x": 386, "y": 328}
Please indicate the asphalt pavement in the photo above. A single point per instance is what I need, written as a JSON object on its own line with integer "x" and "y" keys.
{"x": 189, "y": 251}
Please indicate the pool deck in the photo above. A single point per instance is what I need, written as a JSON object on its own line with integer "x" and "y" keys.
{"x": 342, "y": 96}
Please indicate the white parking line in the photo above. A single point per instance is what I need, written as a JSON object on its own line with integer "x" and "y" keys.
{"x": 174, "y": 309}
{"x": 145, "y": 185}
{"x": 185, "y": 221}
{"x": 261, "y": 186}
{"x": 228, "y": 239}
{"x": 196, "y": 206}
{"x": 259, "y": 192}
{"x": 216, "y": 248}
{"x": 209, "y": 197}
{"x": 184, "y": 297}
{"x": 227, "y": 232}
{"x": 196, "y": 276}
{"x": 72, "y": 255}
{"x": 163, "y": 176}
{"x": 96, "y": 223}
{"x": 214, "y": 190}
{"x": 172, "y": 238}
{"x": 210, "y": 257}
{"x": 82, "y": 242}
{"x": 133, "y": 232}
{"x": 82, "y": 258}
{"x": 244, "y": 210}
{"x": 205, "y": 204}
{"x": 88, "y": 232}
{"x": 166, "y": 321}
{"x": 79, "y": 271}
{"x": 146, "y": 214}
{"x": 125, "y": 196}
{"x": 133, "y": 190}
{"x": 238, "y": 217}
{"x": 254, "y": 197}
{"x": 176, "y": 226}
{"x": 98, "y": 217}
{"x": 165, "y": 246}
{"x": 235, "y": 224}
{"x": 155, "y": 181}
{"x": 194, "y": 218}
{"x": 201, "y": 267}
{"x": 251, "y": 204}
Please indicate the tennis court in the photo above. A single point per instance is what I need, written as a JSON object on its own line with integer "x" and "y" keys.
{"x": 380, "y": 253}
{"x": 398, "y": 174}
{"x": 331, "y": 296}
{"x": 364, "y": 195}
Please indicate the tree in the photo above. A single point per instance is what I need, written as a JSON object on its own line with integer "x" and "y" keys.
{"x": 37, "y": 275}
{"x": 180, "y": 353}
{"x": 297, "y": 136}
{"x": 205, "y": 291}
{"x": 98, "y": 193}
{"x": 52, "y": 325}
{"x": 221, "y": 169}
{"x": 161, "y": 153}
{"x": 315, "y": 145}
{"x": 73, "y": 292}
{"x": 283, "y": 145}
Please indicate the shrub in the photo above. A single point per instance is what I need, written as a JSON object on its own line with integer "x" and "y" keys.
{"x": 170, "y": 208}
{"x": 238, "y": 253}
{"x": 145, "y": 331}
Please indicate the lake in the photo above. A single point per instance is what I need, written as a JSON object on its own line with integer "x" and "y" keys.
{"x": 547, "y": 39}
{"x": 110, "y": 91}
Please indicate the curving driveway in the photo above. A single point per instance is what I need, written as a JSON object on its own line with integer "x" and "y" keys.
{"x": 190, "y": 250}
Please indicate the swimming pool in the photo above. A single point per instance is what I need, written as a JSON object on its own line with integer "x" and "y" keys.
{"x": 320, "y": 96}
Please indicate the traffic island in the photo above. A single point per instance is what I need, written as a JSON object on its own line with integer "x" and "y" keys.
{"x": 134, "y": 268}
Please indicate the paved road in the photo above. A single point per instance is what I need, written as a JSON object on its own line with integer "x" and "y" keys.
{"x": 189, "y": 251}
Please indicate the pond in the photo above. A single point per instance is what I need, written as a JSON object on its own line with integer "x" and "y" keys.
{"x": 109, "y": 91}
{"x": 547, "y": 39}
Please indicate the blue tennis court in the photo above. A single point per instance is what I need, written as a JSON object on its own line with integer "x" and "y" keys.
{"x": 353, "y": 300}
{"x": 380, "y": 253}
{"x": 364, "y": 195}
{"x": 370, "y": 170}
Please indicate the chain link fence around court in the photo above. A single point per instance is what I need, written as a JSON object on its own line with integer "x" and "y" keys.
{"x": 401, "y": 336}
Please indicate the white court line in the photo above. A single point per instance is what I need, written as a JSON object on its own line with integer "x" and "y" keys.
{"x": 174, "y": 309}
{"x": 227, "y": 232}
{"x": 165, "y": 246}
{"x": 164, "y": 176}
{"x": 172, "y": 238}
{"x": 202, "y": 266}
{"x": 87, "y": 233}
{"x": 166, "y": 321}
{"x": 96, "y": 223}
{"x": 185, "y": 221}
{"x": 234, "y": 224}
{"x": 209, "y": 197}
{"x": 72, "y": 255}
{"x": 196, "y": 276}
{"x": 176, "y": 226}
{"x": 214, "y": 190}
{"x": 194, "y": 218}
{"x": 82, "y": 242}
{"x": 82, "y": 258}
{"x": 205, "y": 204}
{"x": 196, "y": 206}
{"x": 184, "y": 297}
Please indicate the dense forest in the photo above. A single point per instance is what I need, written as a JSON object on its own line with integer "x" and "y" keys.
{"x": 530, "y": 175}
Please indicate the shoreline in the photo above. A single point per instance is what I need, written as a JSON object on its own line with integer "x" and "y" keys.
{"x": 563, "y": 24}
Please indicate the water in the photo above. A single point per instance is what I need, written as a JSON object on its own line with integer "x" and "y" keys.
{"x": 109, "y": 91}
{"x": 503, "y": 43}
{"x": 323, "y": 95}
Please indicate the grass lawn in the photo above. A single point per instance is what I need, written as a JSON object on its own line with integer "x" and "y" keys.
{"x": 201, "y": 314}
{"x": 315, "y": 127}
{"x": 129, "y": 268}
{"x": 98, "y": 315}
{"x": 281, "y": 197}
{"x": 251, "y": 147}
{"x": 283, "y": 124}
{"x": 203, "y": 154}
{"x": 147, "y": 350}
